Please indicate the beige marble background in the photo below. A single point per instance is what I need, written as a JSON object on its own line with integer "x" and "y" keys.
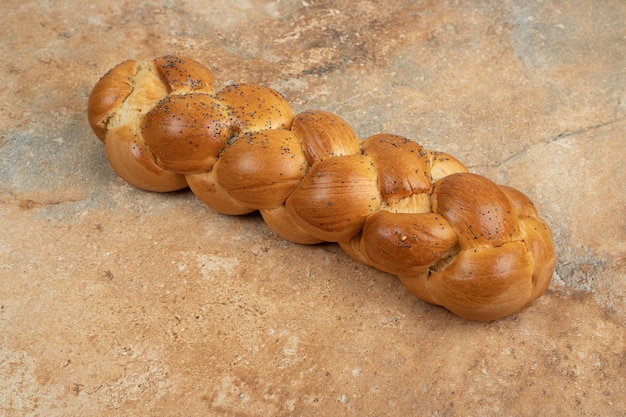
{"x": 119, "y": 302}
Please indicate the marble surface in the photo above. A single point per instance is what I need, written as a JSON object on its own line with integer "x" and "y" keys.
{"x": 115, "y": 301}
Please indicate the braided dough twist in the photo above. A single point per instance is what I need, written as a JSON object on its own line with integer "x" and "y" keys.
{"x": 454, "y": 238}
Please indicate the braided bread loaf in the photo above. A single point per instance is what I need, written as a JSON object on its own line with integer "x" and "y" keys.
{"x": 454, "y": 238}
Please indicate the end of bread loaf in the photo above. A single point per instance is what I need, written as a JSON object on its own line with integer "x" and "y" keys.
{"x": 504, "y": 256}
{"x": 123, "y": 96}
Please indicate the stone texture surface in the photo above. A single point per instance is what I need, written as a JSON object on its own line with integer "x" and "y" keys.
{"x": 115, "y": 301}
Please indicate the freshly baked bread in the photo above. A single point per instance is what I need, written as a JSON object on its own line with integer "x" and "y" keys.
{"x": 454, "y": 238}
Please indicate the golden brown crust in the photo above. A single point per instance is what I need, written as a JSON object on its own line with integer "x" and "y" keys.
{"x": 484, "y": 284}
{"x": 285, "y": 225}
{"x": 109, "y": 94}
{"x": 185, "y": 133}
{"x": 402, "y": 165}
{"x": 120, "y": 101}
{"x": 206, "y": 188}
{"x": 325, "y": 135}
{"x": 333, "y": 200}
{"x": 442, "y": 165}
{"x": 454, "y": 238}
{"x": 478, "y": 210}
{"x": 132, "y": 162}
{"x": 184, "y": 75}
{"x": 254, "y": 108}
{"x": 406, "y": 243}
{"x": 260, "y": 170}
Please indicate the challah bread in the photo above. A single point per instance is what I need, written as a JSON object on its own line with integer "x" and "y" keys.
{"x": 454, "y": 238}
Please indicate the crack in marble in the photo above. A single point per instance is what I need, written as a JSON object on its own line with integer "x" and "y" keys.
{"x": 548, "y": 141}
{"x": 31, "y": 202}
